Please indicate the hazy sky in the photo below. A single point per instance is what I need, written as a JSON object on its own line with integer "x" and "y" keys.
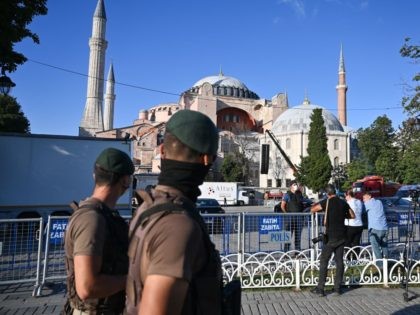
{"x": 272, "y": 46}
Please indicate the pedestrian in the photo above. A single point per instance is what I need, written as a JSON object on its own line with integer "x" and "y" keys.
{"x": 174, "y": 267}
{"x": 336, "y": 211}
{"x": 377, "y": 226}
{"x": 292, "y": 202}
{"x": 354, "y": 226}
{"x": 96, "y": 241}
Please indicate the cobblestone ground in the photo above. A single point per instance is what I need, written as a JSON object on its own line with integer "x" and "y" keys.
{"x": 17, "y": 299}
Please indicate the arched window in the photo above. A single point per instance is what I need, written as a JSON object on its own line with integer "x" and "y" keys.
{"x": 288, "y": 143}
{"x": 336, "y": 144}
{"x": 336, "y": 161}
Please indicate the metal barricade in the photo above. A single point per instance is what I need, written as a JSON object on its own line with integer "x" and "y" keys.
{"x": 54, "y": 262}
{"x": 20, "y": 250}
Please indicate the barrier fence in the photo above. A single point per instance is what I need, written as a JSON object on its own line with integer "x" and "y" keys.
{"x": 261, "y": 249}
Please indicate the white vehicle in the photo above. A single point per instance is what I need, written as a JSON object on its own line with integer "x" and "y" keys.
{"x": 43, "y": 174}
{"x": 227, "y": 193}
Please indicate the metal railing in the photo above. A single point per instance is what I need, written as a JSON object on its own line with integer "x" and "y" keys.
{"x": 262, "y": 249}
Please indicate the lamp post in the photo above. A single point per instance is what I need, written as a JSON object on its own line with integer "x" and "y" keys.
{"x": 338, "y": 174}
{"x": 6, "y": 84}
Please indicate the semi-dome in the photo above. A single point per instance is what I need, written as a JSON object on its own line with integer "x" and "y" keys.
{"x": 225, "y": 86}
{"x": 298, "y": 118}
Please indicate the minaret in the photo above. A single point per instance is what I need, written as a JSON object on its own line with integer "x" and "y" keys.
{"x": 341, "y": 91}
{"x": 92, "y": 120}
{"x": 109, "y": 100}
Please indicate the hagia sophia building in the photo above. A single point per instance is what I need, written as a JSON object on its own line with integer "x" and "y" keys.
{"x": 240, "y": 114}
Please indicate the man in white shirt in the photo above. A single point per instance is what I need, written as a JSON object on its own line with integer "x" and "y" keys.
{"x": 354, "y": 226}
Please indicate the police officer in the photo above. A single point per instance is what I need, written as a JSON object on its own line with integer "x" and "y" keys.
{"x": 292, "y": 202}
{"x": 174, "y": 268}
{"x": 96, "y": 241}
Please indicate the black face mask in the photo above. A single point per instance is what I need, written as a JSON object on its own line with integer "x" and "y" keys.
{"x": 183, "y": 176}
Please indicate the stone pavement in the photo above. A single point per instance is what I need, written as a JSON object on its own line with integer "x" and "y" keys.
{"x": 17, "y": 299}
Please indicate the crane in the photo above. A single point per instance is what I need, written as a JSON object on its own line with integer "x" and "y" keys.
{"x": 286, "y": 158}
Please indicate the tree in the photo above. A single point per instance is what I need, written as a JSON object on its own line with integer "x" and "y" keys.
{"x": 387, "y": 164}
{"x": 411, "y": 103}
{"x": 16, "y": 15}
{"x": 375, "y": 139}
{"x": 12, "y": 119}
{"x": 315, "y": 168}
{"x": 410, "y": 164}
{"x": 408, "y": 141}
{"x": 231, "y": 169}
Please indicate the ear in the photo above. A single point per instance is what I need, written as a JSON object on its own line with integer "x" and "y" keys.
{"x": 162, "y": 151}
{"x": 207, "y": 159}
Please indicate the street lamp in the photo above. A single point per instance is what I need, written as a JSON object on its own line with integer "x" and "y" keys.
{"x": 6, "y": 84}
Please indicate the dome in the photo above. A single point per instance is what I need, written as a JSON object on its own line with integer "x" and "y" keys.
{"x": 221, "y": 80}
{"x": 225, "y": 86}
{"x": 299, "y": 119}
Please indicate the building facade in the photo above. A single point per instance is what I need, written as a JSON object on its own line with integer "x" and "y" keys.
{"x": 240, "y": 114}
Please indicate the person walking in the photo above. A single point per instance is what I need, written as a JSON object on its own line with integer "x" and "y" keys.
{"x": 377, "y": 226}
{"x": 292, "y": 202}
{"x": 336, "y": 211}
{"x": 174, "y": 267}
{"x": 96, "y": 241}
{"x": 354, "y": 226}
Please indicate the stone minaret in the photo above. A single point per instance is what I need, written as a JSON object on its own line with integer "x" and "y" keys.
{"x": 341, "y": 91}
{"x": 92, "y": 120}
{"x": 109, "y": 100}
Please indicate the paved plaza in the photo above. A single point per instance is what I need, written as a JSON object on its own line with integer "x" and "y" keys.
{"x": 16, "y": 299}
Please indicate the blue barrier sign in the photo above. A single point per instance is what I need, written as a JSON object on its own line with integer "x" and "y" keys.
{"x": 57, "y": 230}
{"x": 403, "y": 219}
{"x": 271, "y": 229}
{"x": 269, "y": 224}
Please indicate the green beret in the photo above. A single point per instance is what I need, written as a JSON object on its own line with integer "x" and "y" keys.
{"x": 195, "y": 130}
{"x": 115, "y": 161}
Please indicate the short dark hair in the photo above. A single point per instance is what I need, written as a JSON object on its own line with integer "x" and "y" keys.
{"x": 177, "y": 148}
{"x": 350, "y": 193}
{"x": 330, "y": 190}
{"x": 367, "y": 192}
{"x": 104, "y": 177}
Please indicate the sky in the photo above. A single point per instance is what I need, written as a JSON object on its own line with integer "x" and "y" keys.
{"x": 160, "y": 48}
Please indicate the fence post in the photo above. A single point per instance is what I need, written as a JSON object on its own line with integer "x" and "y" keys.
{"x": 46, "y": 253}
{"x": 38, "y": 261}
{"x": 240, "y": 246}
{"x": 297, "y": 268}
{"x": 385, "y": 271}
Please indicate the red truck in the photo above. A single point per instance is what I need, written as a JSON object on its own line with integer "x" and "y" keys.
{"x": 376, "y": 185}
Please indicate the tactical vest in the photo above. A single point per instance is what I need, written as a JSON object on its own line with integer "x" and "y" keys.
{"x": 205, "y": 289}
{"x": 114, "y": 260}
{"x": 295, "y": 202}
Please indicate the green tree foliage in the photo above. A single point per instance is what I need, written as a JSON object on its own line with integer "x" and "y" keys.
{"x": 356, "y": 169}
{"x": 375, "y": 139}
{"x": 410, "y": 164}
{"x": 315, "y": 168}
{"x": 408, "y": 141}
{"x": 411, "y": 103}
{"x": 232, "y": 169}
{"x": 387, "y": 164}
{"x": 15, "y": 17}
{"x": 12, "y": 119}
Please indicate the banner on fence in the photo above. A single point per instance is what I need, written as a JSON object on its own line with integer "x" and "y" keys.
{"x": 271, "y": 229}
{"x": 58, "y": 228}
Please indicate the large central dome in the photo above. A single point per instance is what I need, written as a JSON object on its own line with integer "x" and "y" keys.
{"x": 221, "y": 80}
{"x": 225, "y": 86}
{"x": 299, "y": 118}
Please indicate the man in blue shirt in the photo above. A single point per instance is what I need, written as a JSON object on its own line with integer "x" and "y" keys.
{"x": 378, "y": 227}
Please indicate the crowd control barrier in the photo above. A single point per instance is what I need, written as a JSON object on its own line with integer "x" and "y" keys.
{"x": 261, "y": 249}
{"x": 20, "y": 250}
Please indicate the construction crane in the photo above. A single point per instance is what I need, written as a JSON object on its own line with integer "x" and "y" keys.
{"x": 286, "y": 158}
